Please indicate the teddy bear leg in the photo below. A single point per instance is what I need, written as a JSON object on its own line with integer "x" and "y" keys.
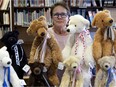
{"x": 54, "y": 80}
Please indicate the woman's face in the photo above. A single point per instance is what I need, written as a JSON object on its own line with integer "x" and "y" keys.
{"x": 60, "y": 16}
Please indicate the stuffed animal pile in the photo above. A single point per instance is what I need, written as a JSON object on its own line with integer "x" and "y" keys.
{"x": 79, "y": 44}
{"x": 45, "y": 48}
{"x": 104, "y": 43}
{"x": 16, "y": 51}
{"x": 38, "y": 75}
{"x": 106, "y": 76}
{"x": 7, "y": 73}
{"x": 72, "y": 78}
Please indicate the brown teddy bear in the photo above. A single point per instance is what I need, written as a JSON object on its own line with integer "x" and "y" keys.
{"x": 104, "y": 43}
{"x": 45, "y": 48}
{"x": 38, "y": 76}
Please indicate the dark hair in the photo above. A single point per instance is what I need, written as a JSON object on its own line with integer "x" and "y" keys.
{"x": 63, "y": 4}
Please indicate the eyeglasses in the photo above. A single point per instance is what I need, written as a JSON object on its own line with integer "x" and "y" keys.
{"x": 63, "y": 15}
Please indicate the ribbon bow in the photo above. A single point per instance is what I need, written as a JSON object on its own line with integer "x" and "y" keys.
{"x": 8, "y": 76}
{"x": 111, "y": 76}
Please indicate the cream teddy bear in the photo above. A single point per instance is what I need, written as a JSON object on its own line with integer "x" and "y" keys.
{"x": 72, "y": 76}
{"x": 79, "y": 44}
{"x": 106, "y": 76}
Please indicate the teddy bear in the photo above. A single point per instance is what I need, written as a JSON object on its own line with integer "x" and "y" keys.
{"x": 38, "y": 75}
{"x": 106, "y": 76}
{"x": 72, "y": 76}
{"x": 16, "y": 51}
{"x": 104, "y": 43}
{"x": 7, "y": 73}
{"x": 45, "y": 48}
{"x": 79, "y": 44}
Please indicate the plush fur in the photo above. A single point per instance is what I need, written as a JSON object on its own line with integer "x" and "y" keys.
{"x": 79, "y": 44}
{"x": 36, "y": 77}
{"x": 10, "y": 39}
{"x": 106, "y": 63}
{"x": 104, "y": 43}
{"x": 5, "y": 62}
{"x": 53, "y": 55}
{"x": 71, "y": 64}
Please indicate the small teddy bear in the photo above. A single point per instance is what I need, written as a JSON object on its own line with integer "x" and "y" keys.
{"x": 72, "y": 76}
{"x": 38, "y": 75}
{"x": 106, "y": 76}
{"x": 8, "y": 75}
{"x": 104, "y": 43}
{"x": 79, "y": 44}
{"x": 45, "y": 48}
{"x": 16, "y": 51}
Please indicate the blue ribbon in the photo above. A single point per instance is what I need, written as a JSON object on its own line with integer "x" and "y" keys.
{"x": 110, "y": 76}
{"x": 8, "y": 77}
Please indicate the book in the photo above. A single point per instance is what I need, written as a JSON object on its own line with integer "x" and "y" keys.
{"x": 5, "y": 4}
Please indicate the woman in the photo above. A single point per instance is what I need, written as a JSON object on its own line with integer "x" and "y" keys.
{"x": 60, "y": 15}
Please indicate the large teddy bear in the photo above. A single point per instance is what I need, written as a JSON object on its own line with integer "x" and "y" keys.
{"x": 16, "y": 51}
{"x": 7, "y": 73}
{"x": 104, "y": 43}
{"x": 45, "y": 48}
{"x": 72, "y": 76}
{"x": 106, "y": 76}
{"x": 79, "y": 44}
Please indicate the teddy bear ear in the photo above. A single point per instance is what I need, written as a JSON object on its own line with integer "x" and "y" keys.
{"x": 4, "y": 48}
{"x": 106, "y": 11}
{"x": 16, "y": 32}
{"x": 41, "y": 18}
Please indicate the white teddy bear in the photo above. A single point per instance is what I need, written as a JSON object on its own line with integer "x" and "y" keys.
{"x": 72, "y": 78}
{"x": 7, "y": 73}
{"x": 79, "y": 44}
{"x": 106, "y": 76}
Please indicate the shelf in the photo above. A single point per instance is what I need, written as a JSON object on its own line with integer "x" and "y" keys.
{"x": 1, "y": 11}
{"x": 95, "y": 7}
{"x": 29, "y": 8}
{"x": 4, "y": 25}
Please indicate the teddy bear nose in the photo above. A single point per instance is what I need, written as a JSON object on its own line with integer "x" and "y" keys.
{"x": 68, "y": 30}
{"x": 111, "y": 21}
{"x": 74, "y": 67}
{"x": 8, "y": 62}
{"x": 106, "y": 66}
{"x": 42, "y": 34}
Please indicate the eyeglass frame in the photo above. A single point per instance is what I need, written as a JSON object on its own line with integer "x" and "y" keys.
{"x": 60, "y": 14}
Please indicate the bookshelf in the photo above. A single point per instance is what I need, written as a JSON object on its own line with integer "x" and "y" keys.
{"x": 24, "y": 11}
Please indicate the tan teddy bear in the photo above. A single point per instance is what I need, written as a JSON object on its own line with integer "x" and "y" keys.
{"x": 72, "y": 77}
{"x": 106, "y": 76}
{"x": 104, "y": 43}
{"x": 44, "y": 48}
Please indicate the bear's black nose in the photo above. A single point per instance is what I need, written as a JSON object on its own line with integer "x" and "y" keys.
{"x": 8, "y": 62}
{"x": 74, "y": 67}
{"x": 111, "y": 21}
{"x": 42, "y": 34}
{"x": 68, "y": 30}
{"x": 106, "y": 66}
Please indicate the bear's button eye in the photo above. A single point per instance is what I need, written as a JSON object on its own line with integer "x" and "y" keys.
{"x": 102, "y": 20}
{"x": 75, "y": 25}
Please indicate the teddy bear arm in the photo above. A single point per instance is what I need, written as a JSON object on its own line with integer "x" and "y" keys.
{"x": 107, "y": 47}
{"x": 98, "y": 78}
{"x": 31, "y": 81}
{"x": 55, "y": 49}
{"x": 65, "y": 79}
{"x": 97, "y": 50}
{"x": 33, "y": 50}
{"x": 67, "y": 49}
{"x": 15, "y": 81}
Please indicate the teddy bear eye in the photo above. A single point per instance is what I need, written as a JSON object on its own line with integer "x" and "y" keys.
{"x": 75, "y": 25}
{"x": 102, "y": 20}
